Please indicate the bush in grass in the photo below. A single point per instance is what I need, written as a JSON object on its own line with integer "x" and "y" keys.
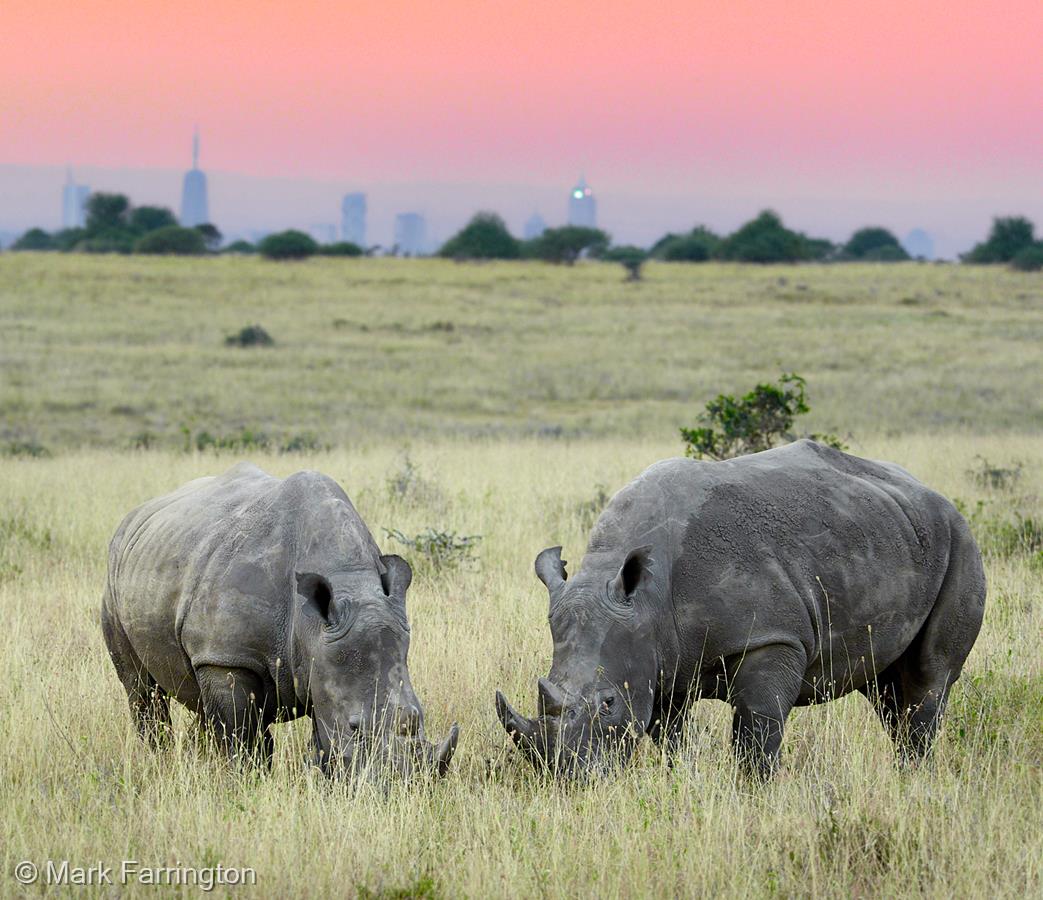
{"x": 250, "y": 336}
{"x": 172, "y": 240}
{"x": 760, "y": 420}
{"x": 288, "y": 245}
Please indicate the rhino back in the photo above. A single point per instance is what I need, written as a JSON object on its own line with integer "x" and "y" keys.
{"x": 800, "y": 544}
{"x": 205, "y": 575}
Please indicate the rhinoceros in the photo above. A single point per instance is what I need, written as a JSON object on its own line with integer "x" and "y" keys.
{"x": 774, "y": 580}
{"x": 253, "y": 599}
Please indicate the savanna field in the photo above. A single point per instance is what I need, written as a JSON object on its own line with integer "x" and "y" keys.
{"x": 506, "y": 401}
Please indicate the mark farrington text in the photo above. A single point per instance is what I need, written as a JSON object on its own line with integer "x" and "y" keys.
{"x": 130, "y": 871}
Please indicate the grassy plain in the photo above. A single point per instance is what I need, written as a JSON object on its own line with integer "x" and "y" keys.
{"x": 551, "y": 386}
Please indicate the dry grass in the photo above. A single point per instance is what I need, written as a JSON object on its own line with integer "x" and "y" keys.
{"x": 840, "y": 819}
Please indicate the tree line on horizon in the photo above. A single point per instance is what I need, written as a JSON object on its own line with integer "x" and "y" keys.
{"x": 114, "y": 225}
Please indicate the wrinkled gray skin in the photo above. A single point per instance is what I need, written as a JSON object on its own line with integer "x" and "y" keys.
{"x": 252, "y": 599}
{"x": 769, "y": 581}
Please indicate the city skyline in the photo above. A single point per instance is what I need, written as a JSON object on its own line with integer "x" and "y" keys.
{"x": 836, "y": 115}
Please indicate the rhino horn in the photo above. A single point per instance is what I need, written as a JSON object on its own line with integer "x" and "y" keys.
{"x": 521, "y": 729}
{"x": 552, "y": 698}
{"x": 444, "y": 752}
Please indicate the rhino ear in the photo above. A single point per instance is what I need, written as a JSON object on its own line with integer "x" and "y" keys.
{"x": 635, "y": 571}
{"x": 550, "y": 568}
{"x": 397, "y": 576}
{"x": 317, "y": 591}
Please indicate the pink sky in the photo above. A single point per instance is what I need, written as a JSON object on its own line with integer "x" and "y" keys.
{"x": 837, "y": 94}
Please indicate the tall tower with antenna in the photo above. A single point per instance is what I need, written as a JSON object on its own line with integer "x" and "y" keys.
{"x": 583, "y": 208}
{"x": 195, "y": 207}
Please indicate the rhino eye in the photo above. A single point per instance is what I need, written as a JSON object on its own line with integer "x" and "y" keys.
{"x": 607, "y": 704}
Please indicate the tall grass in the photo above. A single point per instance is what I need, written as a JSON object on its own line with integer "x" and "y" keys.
{"x": 839, "y": 820}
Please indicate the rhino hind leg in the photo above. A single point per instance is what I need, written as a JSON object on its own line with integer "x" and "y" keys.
{"x": 911, "y": 694}
{"x": 236, "y": 712}
{"x": 149, "y": 706}
{"x": 763, "y": 686}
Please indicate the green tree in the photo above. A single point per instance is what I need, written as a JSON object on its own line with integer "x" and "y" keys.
{"x": 240, "y": 247}
{"x": 1008, "y": 237}
{"x": 1029, "y": 259}
{"x": 484, "y": 237}
{"x": 34, "y": 239}
{"x": 698, "y": 245}
{"x": 212, "y": 237}
{"x": 173, "y": 240}
{"x": 149, "y": 218}
{"x": 875, "y": 243}
{"x": 630, "y": 257}
{"x": 567, "y": 244}
{"x": 69, "y": 238}
{"x": 106, "y": 212}
{"x": 291, "y": 244}
{"x": 764, "y": 240}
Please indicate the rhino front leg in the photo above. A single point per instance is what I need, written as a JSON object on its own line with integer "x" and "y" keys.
{"x": 235, "y": 710}
{"x": 763, "y": 687}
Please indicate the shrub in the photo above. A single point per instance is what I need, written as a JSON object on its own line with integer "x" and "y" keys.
{"x": 34, "y": 239}
{"x": 172, "y": 240}
{"x": 69, "y": 238}
{"x": 29, "y": 448}
{"x": 109, "y": 240}
{"x": 341, "y": 248}
{"x": 288, "y": 245}
{"x": 240, "y": 247}
{"x": 484, "y": 237}
{"x": 246, "y": 439}
{"x": 250, "y": 336}
{"x": 1028, "y": 259}
{"x": 632, "y": 259}
{"x": 760, "y": 420}
{"x": 764, "y": 240}
{"x": 442, "y": 550}
{"x": 1007, "y": 238}
{"x": 566, "y": 245}
{"x": 875, "y": 244}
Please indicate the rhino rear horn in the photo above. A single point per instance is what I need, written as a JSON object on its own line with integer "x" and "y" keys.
{"x": 550, "y": 568}
{"x": 552, "y": 698}
{"x": 521, "y": 729}
{"x": 445, "y": 750}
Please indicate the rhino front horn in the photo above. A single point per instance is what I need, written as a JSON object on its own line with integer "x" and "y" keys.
{"x": 521, "y": 729}
{"x": 445, "y": 751}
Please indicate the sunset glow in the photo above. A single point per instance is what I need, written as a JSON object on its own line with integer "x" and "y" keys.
{"x": 461, "y": 88}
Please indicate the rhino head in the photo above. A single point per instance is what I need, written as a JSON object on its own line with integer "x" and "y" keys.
{"x": 351, "y": 643}
{"x": 598, "y": 698}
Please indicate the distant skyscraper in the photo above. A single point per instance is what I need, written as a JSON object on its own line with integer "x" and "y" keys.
{"x": 583, "y": 208}
{"x": 353, "y": 219}
{"x": 534, "y": 227}
{"x": 919, "y": 244}
{"x": 195, "y": 210}
{"x": 74, "y": 202}
{"x": 410, "y": 233}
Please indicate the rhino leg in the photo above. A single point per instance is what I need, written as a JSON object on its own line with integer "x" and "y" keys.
{"x": 235, "y": 710}
{"x": 763, "y": 687}
{"x": 148, "y": 702}
{"x": 914, "y": 689}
